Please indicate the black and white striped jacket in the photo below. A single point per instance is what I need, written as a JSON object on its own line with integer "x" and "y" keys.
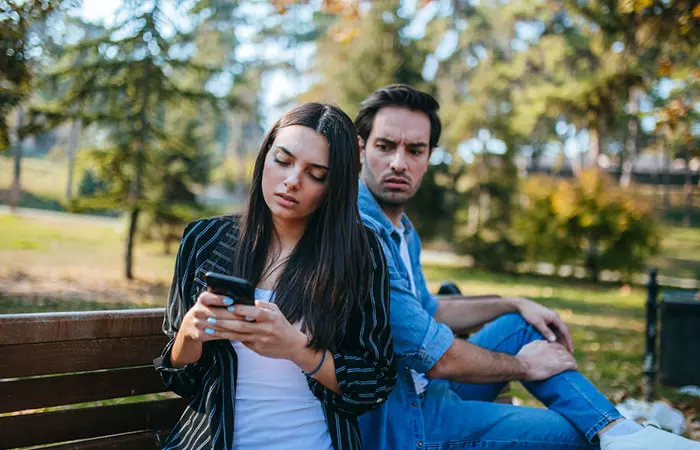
{"x": 363, "y": 363}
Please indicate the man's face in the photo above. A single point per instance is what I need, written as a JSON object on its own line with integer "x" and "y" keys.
{"x": 395, "y": 156}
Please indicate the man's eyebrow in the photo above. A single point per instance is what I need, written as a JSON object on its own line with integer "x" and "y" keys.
{"x": 317, "y": 166}
{"x": 392, "y": 142}
{"x": 386, "y": 140}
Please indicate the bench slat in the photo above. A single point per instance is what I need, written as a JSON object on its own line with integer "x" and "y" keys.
{"x": 62, "y": 426}
{"x": 62, "y": 357}
{"x": 131, "y": 441}
{"x": 70, "y": 326}
{"x": 18, "y": 395}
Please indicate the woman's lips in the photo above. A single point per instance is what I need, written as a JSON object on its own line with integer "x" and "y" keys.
{"x": 286, "y": 200}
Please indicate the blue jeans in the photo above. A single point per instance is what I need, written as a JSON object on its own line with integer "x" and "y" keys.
{"x": 459, "y": 415}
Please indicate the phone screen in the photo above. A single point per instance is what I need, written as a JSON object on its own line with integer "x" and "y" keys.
{"x": 238, "y": 289}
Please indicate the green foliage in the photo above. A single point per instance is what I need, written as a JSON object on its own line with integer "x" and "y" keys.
{"x": 364, "y": 55}
{"x": 136, "y": 84}
{"x": 90, "y": 185}
{"x": 588, "y": 220}
{"x": 16, "y": 66}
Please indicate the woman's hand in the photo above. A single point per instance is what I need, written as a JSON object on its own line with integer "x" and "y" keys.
{"x": 209, "y": 309}
{"x": 269, "y": 335}
{"x": 197, "y": 327}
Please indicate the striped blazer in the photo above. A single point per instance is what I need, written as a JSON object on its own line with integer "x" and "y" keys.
{"x": 363, "y": 362}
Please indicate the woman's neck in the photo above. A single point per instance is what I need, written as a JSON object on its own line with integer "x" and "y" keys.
{"x": 286, "y": 237}
{"x": 288, "y": 233}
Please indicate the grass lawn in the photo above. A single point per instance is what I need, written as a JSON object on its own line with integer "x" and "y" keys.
{"x": 69, "y": 263}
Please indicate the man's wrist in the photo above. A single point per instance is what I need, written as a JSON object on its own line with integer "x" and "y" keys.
{"x": 524, "y": 368}
{"x": 514, "y": 302}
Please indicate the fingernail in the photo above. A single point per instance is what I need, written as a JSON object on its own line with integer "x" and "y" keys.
{"x": 552, "y": 339}
{"x": 211, "y": 320}
{"x": 228, "y": 301}
{"x": 231, "y": 308}
{"x": 209, "y": 331}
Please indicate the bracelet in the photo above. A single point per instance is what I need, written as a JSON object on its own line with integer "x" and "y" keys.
{"x": 323, "y": 358}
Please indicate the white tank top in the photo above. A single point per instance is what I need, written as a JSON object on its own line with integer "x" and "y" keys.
{"x": 275, "y": 409}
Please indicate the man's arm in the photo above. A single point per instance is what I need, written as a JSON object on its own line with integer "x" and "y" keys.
{"x": 462, "y": 314}
{"x": 467, "y": 363}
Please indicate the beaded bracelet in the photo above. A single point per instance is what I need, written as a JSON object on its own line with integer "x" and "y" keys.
{"x": 323, "y": 358}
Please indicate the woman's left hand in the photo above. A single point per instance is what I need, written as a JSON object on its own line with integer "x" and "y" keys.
{"x": 271, "y": 334}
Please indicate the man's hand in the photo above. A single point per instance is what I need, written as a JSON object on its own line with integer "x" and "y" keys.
{"x": 542, "y": 360}
{"x": 545, "y": 321}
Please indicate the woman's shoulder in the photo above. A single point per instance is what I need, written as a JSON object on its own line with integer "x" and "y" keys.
{"x": 376, "y": 251}
{"x": 210, "y": 229}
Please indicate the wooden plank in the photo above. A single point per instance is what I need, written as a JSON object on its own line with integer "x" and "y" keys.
{"x": 132, "y": 441}
{"x": 34, "y": 393}
{"x": 62, "y": 426}
{"x": 69, "y": 326}
{"x": 63, "y": 357}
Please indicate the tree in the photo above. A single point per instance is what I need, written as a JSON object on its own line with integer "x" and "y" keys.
{"x": 17, "y": 47}
{"x": 375, "y": 50}
{"x": 127, "y": 82}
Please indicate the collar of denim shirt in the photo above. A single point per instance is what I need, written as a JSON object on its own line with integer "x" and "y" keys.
{"x": 377, "y": 219}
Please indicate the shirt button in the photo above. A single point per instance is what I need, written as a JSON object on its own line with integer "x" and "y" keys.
{"x": 415, "y": 403}
{"x": 420, "y": 443}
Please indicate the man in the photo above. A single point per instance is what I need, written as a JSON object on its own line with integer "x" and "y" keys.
{"x": 446, "y": 386}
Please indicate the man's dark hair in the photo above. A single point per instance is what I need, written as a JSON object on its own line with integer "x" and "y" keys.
{"x": 402, "y": 96}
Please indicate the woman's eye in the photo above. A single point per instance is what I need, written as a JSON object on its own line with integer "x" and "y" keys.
{"x": 281, "y": 163}
{"x": 320, "y": 179}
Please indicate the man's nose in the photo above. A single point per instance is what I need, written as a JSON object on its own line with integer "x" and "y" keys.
{"x": 398, "y": 164}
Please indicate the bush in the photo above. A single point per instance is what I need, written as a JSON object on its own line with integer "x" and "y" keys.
{"x": 587, "y": 220}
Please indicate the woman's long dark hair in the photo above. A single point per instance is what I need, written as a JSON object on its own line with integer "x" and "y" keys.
{"x": 324, "y": 278}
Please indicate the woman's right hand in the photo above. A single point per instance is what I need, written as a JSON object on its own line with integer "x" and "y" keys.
{"x": 200, "y": 325}
{"x": 199, "y": 322}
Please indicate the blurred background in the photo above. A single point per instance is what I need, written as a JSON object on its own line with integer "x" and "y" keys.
{"x": 569, "y": 162}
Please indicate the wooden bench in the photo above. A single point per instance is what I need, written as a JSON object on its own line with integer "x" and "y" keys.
{"x": 80, "y": 359}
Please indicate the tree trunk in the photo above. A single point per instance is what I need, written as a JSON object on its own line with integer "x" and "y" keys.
{"x": 72, "y": 152}
{"x": 592, "y": 259}
{"x": 632, "y": 143}
{"x": 593, "y": 147}
{"x": 688, "y": 189}
{"x": 666, "y": 182}
{"x": 135, "y": 190}
{"x": 129, "y": 255}
{"x": 16, "y": 189}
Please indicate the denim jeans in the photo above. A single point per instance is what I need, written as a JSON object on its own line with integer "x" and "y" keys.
{"x": 459, "y": 415}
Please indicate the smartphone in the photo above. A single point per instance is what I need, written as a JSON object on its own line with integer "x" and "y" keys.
{"x": 238, "y": 289}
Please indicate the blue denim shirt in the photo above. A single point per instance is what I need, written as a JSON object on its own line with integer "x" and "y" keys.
{"x": 419, "y": 341}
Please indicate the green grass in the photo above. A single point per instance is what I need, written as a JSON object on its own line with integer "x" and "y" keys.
{"x": 43, "y": 180}
{"x": 680, "y": 253}
{"x": 607, "y": 320}
{"x": 607, "y": 324}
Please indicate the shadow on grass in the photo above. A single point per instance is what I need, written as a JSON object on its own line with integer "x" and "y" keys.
{"x": 9, "y": 305}
{"x": 598, "y": 309}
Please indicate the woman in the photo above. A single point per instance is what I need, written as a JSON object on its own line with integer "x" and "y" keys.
{"x": 319, "y": 350}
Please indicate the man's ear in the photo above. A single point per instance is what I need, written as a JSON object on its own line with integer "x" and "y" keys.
{"x": 361, "y": 143}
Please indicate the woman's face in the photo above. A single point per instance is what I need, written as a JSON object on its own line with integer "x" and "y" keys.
{"x": 295, "y": 175}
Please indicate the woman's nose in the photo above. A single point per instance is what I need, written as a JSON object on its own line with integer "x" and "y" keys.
{"x": 292, "y": 182}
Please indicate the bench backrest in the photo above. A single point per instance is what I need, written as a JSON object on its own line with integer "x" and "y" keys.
{"x": 55, "y": 359}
